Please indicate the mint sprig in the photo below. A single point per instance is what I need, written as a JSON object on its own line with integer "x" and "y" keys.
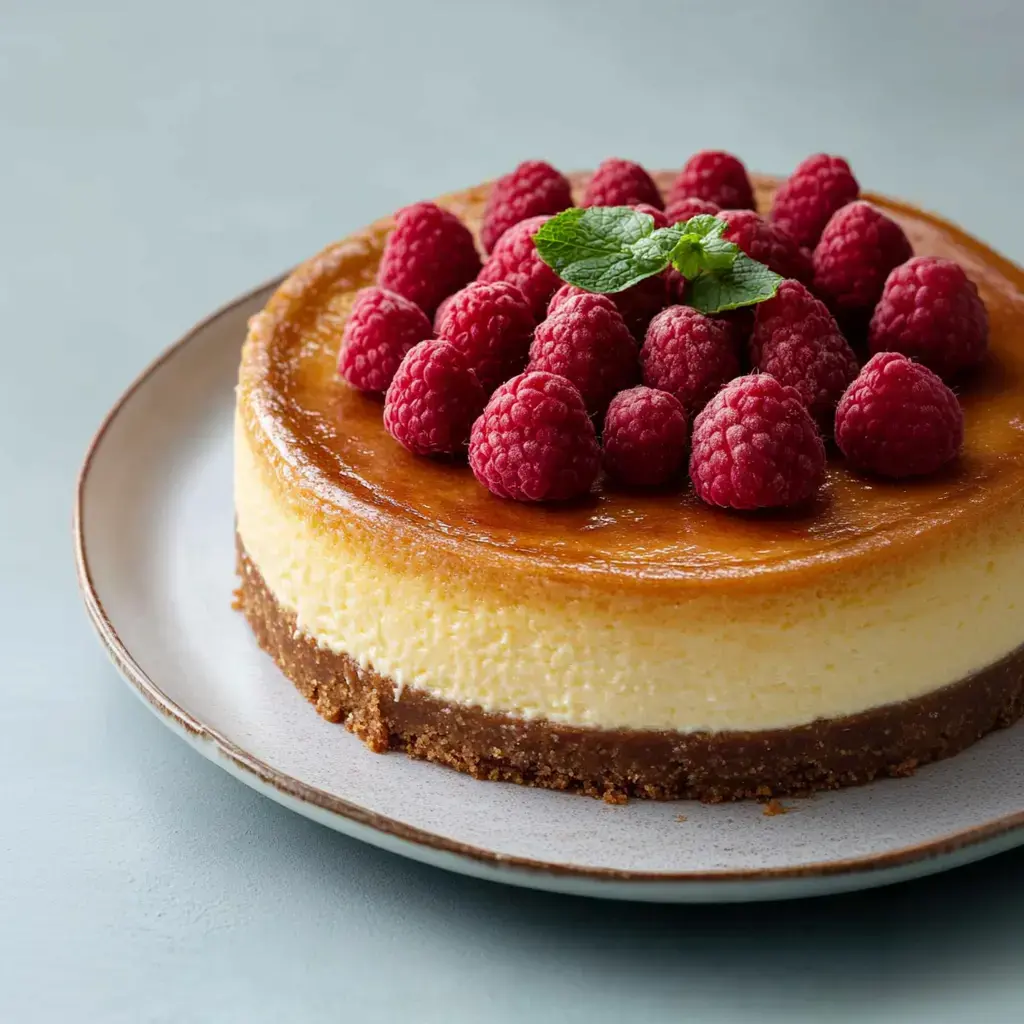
{"x": 610, "y": 248}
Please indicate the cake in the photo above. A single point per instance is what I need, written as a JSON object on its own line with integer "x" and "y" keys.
{"x": 629, "y": 642}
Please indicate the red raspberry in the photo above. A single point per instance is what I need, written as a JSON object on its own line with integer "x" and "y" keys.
{"x": 491, "y": 325}
{"x": 717, "y": 177}
{"x": 681, "y": 210}
{"x": 381, "y": 328}
{"x": 689, "y": 355}
{"x": 433, "y": 400}
{"x": 660, "y": 220}
{"x": 429, "y": 255}
{"x": 533, "y": 188}
{"x": 765, "y": 243}
{"x": 898, "y": 419}
{"x": 807, "y": 199}
{"x": 590, "y": 346}
{"x": 515, "y": 259}
{"x": 636, "y": 305}
{"x": 534, "y": 441}
{"x": 858, "y": 248}
{"x": 799, "y": 343}
{"x": 561, "y": 299}
{"x": 644, "y": 437}
{"x": 756, "y": 446}
{"x": 930, "y": 310}
{"x": 621, "y": 183}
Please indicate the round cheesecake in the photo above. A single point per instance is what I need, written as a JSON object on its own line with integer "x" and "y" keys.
{"x": 628, "y": 644}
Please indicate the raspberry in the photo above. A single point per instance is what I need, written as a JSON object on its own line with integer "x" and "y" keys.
{"x": 381, "y": 328}
{"x": 799, "y": 344}
{"x": 858, "y": 248}
{"x": 765, "y": 243}
{"x": 636, "y": 305}
{"x": 561, "y": 299}
{"x": 491, "y": 325}
{"x": 689, "y": 355}
{"x": 590, "y": 346}
{"x": 660, "y": 220}
{"x": 681, "y": 210}
{"x": 515, "y": 259}
{"x": 717, "y": 177}
{"x": 898, "y": 419}
{"x": 534, "y": 441}
{"x": 807, "y": 199}
{"x": 930, "y": 310}
{"x": 429, "y": 255}
{"x": 533, "y": 188}
{"x": 433, "y": 400}
{"x": 621, "y": 183}
{"x": 644, "y": 437}
{"x": 756, "y": 446}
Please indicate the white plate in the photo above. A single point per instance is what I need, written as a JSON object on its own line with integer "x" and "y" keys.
{"x": 155, "y": 559}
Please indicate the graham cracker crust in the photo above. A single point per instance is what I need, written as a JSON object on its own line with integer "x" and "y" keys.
{"x": 616, "y": 764}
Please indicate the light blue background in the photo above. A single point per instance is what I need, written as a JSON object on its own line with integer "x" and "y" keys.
{"x": 158, "y": 158}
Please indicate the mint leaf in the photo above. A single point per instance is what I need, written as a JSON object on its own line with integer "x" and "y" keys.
{"x": 745, "y": 283}
{"x": 592, "y": 248}
{"x": 610, "y": 248}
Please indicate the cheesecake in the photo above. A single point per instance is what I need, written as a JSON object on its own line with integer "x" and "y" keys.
{"x": 629, "y": 642}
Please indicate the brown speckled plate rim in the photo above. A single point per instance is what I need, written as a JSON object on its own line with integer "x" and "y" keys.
{"x": 288, "y": 786}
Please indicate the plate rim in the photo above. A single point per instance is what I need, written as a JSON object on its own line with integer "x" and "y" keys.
{"x": 248, "y": 765}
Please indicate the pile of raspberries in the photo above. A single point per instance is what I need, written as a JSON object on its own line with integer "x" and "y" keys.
{"x": 545, "y": 386}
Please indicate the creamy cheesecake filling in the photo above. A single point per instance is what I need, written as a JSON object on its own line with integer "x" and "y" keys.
{"x": 710, "y": 660}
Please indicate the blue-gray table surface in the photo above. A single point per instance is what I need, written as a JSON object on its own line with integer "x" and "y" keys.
{"x": 157, "y": 159}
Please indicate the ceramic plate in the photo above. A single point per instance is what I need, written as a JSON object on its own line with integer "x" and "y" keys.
{"x": 156, "y": 558}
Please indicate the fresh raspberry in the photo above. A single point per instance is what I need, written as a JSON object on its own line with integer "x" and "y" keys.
{"x": 636, "y": 305}
{"x": 689, "y": 355}
{"x": 644, "y": 437}
{"x": 534, "y": 441}
{"x": 717, "y": 177}
{"x": 532, "y": 189}
{"x": 491, "y": 325}
{"x": 621, "y": 183}
{"x": 681, "y": 210}
{"x": 515, "y": 259}
{"x": 755, "y": 445}
{"x": 858, "y": 248}
{"x": 765, "y": 243}
{"x": 807, "y": 199}
{"x": 433, "y": 400}
{"x": 797, "y": 341}
{"x": 562, "y": 298}
{"x": 660, "y": 220}
{"x": 429, "y": 255}
{"x": 381, "y": 328}
{"x": 931, "y": 311}
{"x": 898, "y": 419}
{"x": 590, "y": 346}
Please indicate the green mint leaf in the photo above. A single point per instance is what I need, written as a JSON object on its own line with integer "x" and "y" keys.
{"x": 745, "y": 283}
{"x": 688, "y": 256}
{"x": 607, "y": 249}
{"x": 719, "y": 253}
{"x": 703, "y": 226}
{"x": 602, "y": 248}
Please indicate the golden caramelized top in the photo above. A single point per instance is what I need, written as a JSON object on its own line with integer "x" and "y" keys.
{"x": 327, "y": 444}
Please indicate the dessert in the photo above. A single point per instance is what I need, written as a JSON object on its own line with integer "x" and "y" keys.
{"x": 620, "y": 640}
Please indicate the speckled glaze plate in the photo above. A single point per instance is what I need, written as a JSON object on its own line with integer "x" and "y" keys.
{"x": 155, "y": 551}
